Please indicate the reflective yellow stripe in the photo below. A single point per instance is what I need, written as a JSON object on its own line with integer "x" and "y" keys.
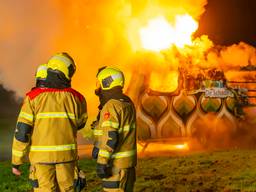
{"x": 47, "y": 115}
{"x": 128, "y": 127}
{"x": 17, "y": 153}
{"x": 123, "y": 154}
{"x": 26, "y": 116}
{"x": 104, "y": 153}
{"x": 41, "y": 71}
{"x": 42, "y": 68}
{"x": 110, "y": 124}
{"x": 53, "y": 148}
{"x": 65, "y": 60}
{"x": 97, "y": 132}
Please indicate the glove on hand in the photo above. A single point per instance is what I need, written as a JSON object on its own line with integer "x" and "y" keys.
{"x": 80, "y": 183}
{"x": 103, "y": 171}
{"x": 95, "y": 152}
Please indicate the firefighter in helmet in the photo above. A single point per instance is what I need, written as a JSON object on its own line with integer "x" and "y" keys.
{"x": 41, "y": 75}
{"x": 117, "y": 156}
{"x": 47, "y": 125}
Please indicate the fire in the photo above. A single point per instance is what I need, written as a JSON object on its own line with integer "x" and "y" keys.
{"x": 158, "y": 147}
{"x": 166, "y": 83}
{"x": 160, "y": 34}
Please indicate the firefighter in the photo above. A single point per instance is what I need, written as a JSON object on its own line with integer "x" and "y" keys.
{"x": 41, "y": 75}
{"x": 117, "y": 155}
{"x": 97, "y": 132}
{"x": 47, "y": 126}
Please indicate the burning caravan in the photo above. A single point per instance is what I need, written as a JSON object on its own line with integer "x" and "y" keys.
{"x": 188, "y": 89}
{"x": 203, "y": 105}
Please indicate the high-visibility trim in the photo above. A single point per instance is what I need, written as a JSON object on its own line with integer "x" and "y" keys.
{"x": 26, "y": 116}
{"x": 104, "y": 153}
{"x": 117, "y": 76}
{"x": 129, "y": 127}
{"x": 65, "y": 60}
{"x": 123, "y": 154}
{"x": 55, "y": 115}
{"x": 41, "y": 72}
{"x": 97, "y": 132}
{"x": 17, "y": 153}
{"x": 42, "y": 67}
{"x": 67, "y": 147}
{"x": 110, "y": 124}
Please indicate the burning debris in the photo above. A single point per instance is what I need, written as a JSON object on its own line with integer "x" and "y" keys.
{"x": 249, "y": 67}
{"x": 191, "y": 90}
{"x": 175, "y": 78}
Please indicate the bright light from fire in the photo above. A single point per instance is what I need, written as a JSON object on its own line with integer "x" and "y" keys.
{"x": 164, "y": 82}
{"x": 162, "y": 148}
{"x": 160, "y": 34}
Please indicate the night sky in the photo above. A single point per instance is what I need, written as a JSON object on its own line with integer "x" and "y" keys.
{"x": 229, "y": 21}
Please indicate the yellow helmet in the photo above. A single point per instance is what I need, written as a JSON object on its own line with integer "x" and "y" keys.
{"x": 64, "y": 63}
{"x": 41, "y": 72}
{"x": 110, "y": 77}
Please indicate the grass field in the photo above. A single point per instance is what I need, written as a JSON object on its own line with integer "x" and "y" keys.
{"x": 229, "y": 170}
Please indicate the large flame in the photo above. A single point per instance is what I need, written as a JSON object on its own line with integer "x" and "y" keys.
{"x": 159, "y": 34}
{"x": 166, "y": 83}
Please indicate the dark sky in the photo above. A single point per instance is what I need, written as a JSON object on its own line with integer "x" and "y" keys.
{"x": 229, "y": 21}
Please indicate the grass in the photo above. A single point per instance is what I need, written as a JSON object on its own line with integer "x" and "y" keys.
{"x": 11, "y": 183}
{"x": 228, "y": 171}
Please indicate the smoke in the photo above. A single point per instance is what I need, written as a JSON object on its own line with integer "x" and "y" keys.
{"x": 99, "y": 33}
{"x": 27, "y": 36}
{"x": 95, "y": 33}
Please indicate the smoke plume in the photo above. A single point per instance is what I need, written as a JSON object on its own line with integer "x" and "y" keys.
{"x": 99, "y": 33}
{"x": 95, "y": 33}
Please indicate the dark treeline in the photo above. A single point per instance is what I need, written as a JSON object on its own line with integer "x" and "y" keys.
{"x": 9, "y": 103}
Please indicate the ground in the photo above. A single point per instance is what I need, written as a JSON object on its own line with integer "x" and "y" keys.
{"x": 226, "y": 170}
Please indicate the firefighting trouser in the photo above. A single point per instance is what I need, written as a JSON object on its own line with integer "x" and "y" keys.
{"x": 53, "y": 177}
{"x": 122, "y": 180}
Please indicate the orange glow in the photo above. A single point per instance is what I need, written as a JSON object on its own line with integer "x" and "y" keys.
{"x": 152, "y": 148}
{"x": 159, "y": 34}
{"x": 162, "y": 147}
{"x": 182, "y": 146}
{"x": 164, "y": 83}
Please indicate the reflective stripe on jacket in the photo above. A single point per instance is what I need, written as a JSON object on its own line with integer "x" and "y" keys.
{"x": 117, "y": 134}
{"x": 47, "y": 126}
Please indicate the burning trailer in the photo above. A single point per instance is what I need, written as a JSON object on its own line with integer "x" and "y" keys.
{"x": 205, "y": 107}
{"x": 186, "y": 91}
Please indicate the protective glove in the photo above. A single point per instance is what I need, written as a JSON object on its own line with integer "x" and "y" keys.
{"x": 95, "y": 152}
{"x": 80, "y": 183}
{"x": 103, "y": 171}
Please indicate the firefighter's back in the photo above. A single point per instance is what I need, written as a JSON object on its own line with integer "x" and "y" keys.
{"x": 56, "y": 119}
